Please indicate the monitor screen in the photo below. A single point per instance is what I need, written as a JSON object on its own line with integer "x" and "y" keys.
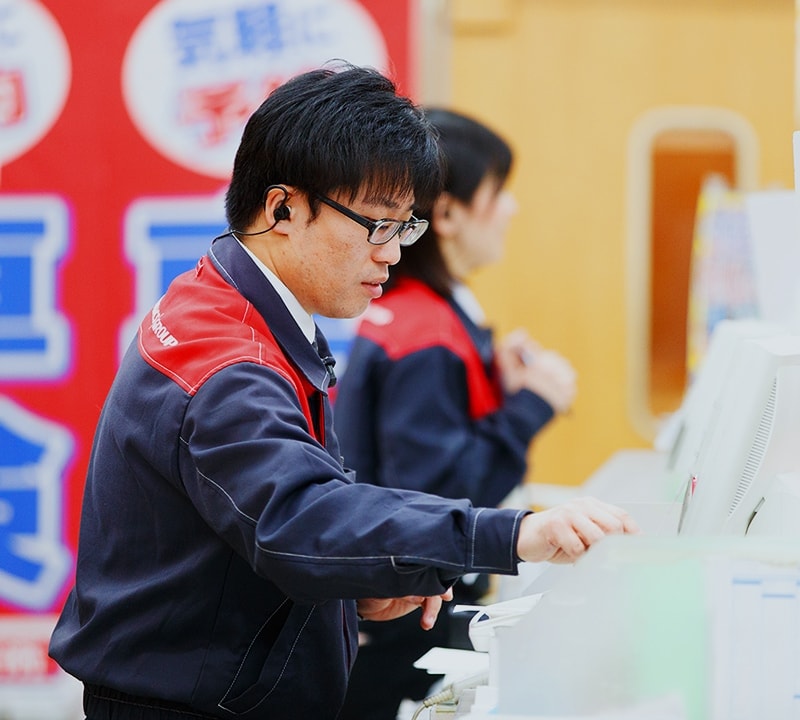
{"x": 751, "y": 438}
{"x": 700, "y": 407}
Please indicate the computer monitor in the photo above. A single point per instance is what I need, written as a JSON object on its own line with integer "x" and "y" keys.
{"x": 699, "y": 410}
{"x": 751, "y": 439}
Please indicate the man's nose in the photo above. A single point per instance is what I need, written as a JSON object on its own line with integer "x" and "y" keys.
{"x": 388, "y": 253}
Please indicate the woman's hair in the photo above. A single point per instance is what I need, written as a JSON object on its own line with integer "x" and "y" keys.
{"x": 471, "y": 153}
{"x": 334, "y": 130}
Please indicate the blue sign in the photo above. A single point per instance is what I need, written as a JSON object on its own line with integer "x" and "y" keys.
{"x": 34, "y": 334}
{"x": 34, "y": 562}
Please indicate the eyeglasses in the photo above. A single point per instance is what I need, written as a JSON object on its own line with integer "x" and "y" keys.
{"x": 381, "y": 231}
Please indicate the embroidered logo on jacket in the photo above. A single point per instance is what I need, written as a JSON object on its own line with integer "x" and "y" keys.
{"x": 165, "y": 337}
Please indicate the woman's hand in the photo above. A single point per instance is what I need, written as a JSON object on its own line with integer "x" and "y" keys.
{"x": 523, "y": 363}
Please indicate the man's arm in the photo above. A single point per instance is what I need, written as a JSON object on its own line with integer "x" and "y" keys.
{"x": 560, "y": 535}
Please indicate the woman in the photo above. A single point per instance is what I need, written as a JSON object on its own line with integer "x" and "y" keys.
{"x": 428, "y": 402}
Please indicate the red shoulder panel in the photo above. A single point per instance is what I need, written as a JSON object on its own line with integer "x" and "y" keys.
{"x": 202, "y": 325}
{"x": 413, "y": 317}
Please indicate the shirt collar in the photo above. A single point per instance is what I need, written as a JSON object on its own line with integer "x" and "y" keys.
{"x": 303, "y": 319}
{"x": 466, "y": 300}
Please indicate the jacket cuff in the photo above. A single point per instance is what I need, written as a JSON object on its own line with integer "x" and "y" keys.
{"x": 493, "y": 541}
{"x": 531, "y": 412}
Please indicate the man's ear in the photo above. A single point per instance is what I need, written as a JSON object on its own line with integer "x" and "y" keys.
{"x": 277, "y": 205}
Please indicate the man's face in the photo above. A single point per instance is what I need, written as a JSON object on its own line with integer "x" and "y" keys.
{"x": 327, "y": 262}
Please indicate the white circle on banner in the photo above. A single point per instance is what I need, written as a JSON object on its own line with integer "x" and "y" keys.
{"x": 195, "y": 70}
{"x": 35, "y": 74}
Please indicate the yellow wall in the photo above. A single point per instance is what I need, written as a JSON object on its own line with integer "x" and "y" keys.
{"x": 565, "y": 81}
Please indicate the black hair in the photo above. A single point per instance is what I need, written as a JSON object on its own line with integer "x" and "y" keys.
{"x": 471, "y": 153}
{"x": 335, "y": 129}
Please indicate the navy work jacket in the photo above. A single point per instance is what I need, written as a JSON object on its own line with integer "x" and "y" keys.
{"x": 222, "y": 542}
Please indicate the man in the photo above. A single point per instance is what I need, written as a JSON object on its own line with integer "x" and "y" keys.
{"x": 224, "y": 550}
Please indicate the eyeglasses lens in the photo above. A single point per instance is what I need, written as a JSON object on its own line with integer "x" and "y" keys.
{"x": 384, "y": 231}
{"x": 413, "y": 232}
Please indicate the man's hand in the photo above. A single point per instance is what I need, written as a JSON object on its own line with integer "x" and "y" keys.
{"x": 563, "y": 533}
{"x": 380, "y": 609}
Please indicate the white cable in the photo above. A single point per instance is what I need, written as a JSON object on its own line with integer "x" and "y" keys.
{"x": 452, "y": 692}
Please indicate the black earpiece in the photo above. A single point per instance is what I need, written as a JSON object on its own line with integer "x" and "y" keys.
{"x": 281, "y": 212}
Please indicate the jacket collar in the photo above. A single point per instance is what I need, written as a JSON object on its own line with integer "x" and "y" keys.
{"x": 238, "y": 269}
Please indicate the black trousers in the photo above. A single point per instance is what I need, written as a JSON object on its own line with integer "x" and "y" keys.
{"x": 101, "y": 703}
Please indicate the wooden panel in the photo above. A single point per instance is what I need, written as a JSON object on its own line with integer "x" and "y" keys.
{"x": 566, "y": 82}
{"x": 681, "y": 162}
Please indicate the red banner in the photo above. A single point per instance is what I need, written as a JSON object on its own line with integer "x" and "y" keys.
{"x": 118, "y": 125}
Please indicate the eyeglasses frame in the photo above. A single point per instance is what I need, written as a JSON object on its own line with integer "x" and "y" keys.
{"x": 372, "y": 225}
